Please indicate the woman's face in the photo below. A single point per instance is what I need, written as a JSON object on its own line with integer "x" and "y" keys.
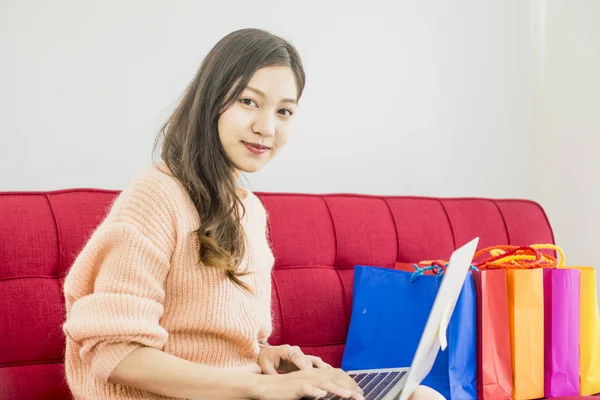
{"x": 257, "y": 125}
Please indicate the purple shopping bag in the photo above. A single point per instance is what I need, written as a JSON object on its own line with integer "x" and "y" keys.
{"x": 561, "y": 333}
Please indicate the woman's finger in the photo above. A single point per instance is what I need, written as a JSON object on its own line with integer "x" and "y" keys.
{"x": 268, "y": 368}
{"x": 315, "y": 392}
{"x": 299, "y": 359}
{"x": 338, "y": 390}
{"x": 302, "y": 362}
{"x": 345, "y": 380}
{"x": 317, "y": 362}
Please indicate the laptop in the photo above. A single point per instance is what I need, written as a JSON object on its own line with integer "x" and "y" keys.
{"x": 400, "y": 383}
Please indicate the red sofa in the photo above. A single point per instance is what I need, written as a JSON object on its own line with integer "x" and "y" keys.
{"x": 317, "y": 239}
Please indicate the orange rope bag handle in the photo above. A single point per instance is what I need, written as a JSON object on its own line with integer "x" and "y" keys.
{"x": 519, "y": 257}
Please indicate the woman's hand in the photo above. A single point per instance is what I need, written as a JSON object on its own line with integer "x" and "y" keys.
{"x": 274, "y": 359}
{"x": 314, "y": 382}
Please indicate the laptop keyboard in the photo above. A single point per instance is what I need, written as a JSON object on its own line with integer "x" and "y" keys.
{"x": 375, "y": 384}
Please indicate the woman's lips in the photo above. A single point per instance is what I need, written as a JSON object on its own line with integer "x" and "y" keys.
{"x": 256, "y": 148}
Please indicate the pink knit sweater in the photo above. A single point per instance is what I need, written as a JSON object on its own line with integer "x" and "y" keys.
{"x": 137, "y": 282}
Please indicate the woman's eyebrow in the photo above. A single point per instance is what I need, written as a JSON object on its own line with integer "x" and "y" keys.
{"x": 260, "y": 93}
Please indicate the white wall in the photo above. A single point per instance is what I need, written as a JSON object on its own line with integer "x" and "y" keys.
{"x": 402, "y": 97}
{"x": 567, "y": 123}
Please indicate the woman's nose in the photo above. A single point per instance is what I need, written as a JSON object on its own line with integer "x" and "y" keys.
{"x": 264, "y": 124}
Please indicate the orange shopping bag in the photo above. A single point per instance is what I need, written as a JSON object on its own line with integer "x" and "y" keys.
{"x": 526, "y": 319}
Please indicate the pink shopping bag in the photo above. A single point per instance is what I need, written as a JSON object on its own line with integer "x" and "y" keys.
{"x": 561, "y": 332}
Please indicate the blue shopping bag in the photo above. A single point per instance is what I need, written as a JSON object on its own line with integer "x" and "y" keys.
{"x": 389, "y": 313}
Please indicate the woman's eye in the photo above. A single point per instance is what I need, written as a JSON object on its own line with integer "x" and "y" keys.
{"x": 248, "y": 102}
{"x": 286, "y": 112}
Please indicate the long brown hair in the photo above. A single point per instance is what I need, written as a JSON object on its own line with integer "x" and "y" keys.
{"x": 193, "y": 152}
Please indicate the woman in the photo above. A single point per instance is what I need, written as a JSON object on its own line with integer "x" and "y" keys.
{"x": 170, "y": 297}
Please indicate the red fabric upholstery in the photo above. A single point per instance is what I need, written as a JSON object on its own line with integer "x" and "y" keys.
{"x": 316, "y": 240}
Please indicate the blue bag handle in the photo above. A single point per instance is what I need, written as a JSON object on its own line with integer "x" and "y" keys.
{"x": 435, "y": 266}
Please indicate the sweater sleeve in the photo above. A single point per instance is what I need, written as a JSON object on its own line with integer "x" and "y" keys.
{"x": 115, "y": 290}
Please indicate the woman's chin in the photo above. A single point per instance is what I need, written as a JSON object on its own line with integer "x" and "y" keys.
{"x": 250, "y": 167}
